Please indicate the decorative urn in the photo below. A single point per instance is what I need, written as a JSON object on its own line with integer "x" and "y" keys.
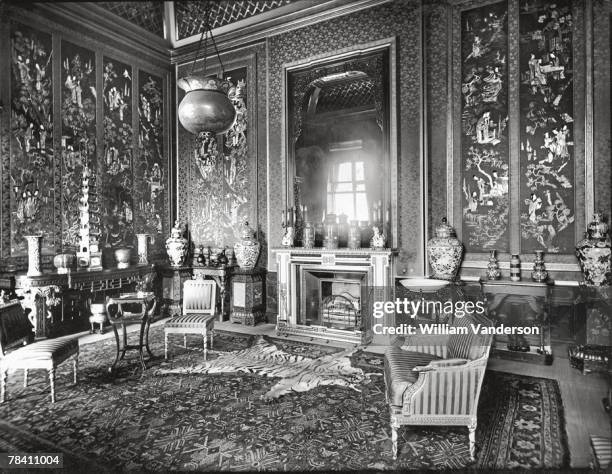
{"x": 595, "y": 254}
{"x": 444, "y": 252}
{"x": 205, "y": 107}
{"x": 123, "y": 255}
{"x": 64, "y": 262}
{"x": 247, "y": 248}
{"x": 176, "y": 245}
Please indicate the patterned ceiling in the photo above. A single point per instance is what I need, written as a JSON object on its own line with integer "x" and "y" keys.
{"x": 147, "y": 15}
{"x": 189, "y": 15}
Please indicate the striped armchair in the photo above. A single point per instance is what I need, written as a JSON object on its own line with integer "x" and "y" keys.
{"x": 436, "y": 380}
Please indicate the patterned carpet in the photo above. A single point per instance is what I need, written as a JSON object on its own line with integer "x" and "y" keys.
{"x": 211, "y": 422}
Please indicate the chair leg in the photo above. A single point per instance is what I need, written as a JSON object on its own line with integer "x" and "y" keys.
{"x": 52, "y": 383}
{"x": 394, "y": 428}
{"x": 204, "y": 337}
{"x": 212, "y": 334}
{"x": 3, "y": 373}
{"x": 166, "y": 345}
{"x": 75, "y": 368}
{"x": 472, "y": 437}
{"x": 25, "y": 378}
{"x": 185, "y": 341}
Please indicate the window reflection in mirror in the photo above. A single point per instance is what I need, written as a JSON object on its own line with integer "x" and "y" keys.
{"x": 340, "y": 155}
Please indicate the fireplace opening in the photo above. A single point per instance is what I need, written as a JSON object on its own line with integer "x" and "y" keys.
{"x": 333, "y": 299}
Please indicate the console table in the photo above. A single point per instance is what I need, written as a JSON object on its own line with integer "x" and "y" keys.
{"x": 42, "y": 293}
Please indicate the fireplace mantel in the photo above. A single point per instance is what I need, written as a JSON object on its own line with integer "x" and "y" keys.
{"x": 376, "y": 265}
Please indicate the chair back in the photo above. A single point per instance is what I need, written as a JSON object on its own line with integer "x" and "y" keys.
{"x": 15, "y": 327}
{"x": 199, "y": 297}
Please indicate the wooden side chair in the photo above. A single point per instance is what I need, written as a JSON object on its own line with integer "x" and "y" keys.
{"x": 16, "y": 331}
{"x": 199, "y": 301}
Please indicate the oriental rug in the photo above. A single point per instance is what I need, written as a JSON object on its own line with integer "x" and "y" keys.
{"x": 135, "y": 421}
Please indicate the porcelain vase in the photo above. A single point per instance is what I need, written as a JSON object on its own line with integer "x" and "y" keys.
{"x": 444, "y": 252}
{"x": 539, "y": 273}
{"x": 247, "y": 248}
{"x": 143, "y": 248}
{"x": 64, "y": 262}
{"x": 176, "y": 246}
{"x": 34, "y": 255}
{"x": 493, "y": 271}
{"x": 595, "y": 254}
{"x": 122, "y": 257}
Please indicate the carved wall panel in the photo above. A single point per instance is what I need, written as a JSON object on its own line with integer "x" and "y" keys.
{"x": 547, "y": 126}
{"x": 150, "y": 171}
{"x": 115, "y": 171}
{"x": 484, "y": 127}
{"x": 220, "y": 182}
{"x": 31, "y": 164}
{"x": 78, "y": 142}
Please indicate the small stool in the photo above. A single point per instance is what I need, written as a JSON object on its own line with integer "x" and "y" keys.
{"x": 98, "y": 316}
{"x": 47, "y": 354}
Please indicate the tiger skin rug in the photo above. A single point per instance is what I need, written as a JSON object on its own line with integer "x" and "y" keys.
{"x": 297, "y": 373}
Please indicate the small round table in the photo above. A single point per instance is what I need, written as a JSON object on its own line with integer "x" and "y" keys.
{"x": 122, "y": 317}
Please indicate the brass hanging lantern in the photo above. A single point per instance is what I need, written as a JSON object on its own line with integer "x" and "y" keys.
{"x": 206, "y": 107}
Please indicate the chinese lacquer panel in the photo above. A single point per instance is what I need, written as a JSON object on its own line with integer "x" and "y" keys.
{"x": 116, "y": 178}
{"x": 484, "y": 128}
{"x": 546, "y": 126}
{"x": 31, "y": 167}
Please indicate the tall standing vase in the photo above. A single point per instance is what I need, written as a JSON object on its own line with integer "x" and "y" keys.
{"x": 34, "y": 255}
{"x": 143, "y": 248}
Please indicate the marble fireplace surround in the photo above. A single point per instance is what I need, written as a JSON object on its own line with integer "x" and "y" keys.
{"x": 378, "y": 265}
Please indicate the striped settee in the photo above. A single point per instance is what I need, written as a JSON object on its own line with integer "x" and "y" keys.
{"x": 436, "y": 380}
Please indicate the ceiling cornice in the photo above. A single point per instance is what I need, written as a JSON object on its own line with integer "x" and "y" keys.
{"x": 96, "y": 22}
{"x": 313, "y": 12}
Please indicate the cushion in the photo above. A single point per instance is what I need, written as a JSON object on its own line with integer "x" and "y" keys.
{"x": 49, "y": 349}
{"x": 399, "y": 373}
{"x": 195, "y": 321}
{"x": 465, "y": 346}
{"x": 602, "y": 448}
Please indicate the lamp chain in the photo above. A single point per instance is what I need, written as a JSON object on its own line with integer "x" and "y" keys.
{"x": 204, "y": 38}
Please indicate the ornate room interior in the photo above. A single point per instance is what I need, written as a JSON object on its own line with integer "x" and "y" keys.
{"x": 211, "y": 208}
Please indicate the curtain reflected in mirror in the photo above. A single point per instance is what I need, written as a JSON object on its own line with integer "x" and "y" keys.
{"x": 338, "y": 121}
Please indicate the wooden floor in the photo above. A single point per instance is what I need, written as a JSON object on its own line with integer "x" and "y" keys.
{"x": 581, "y": 394}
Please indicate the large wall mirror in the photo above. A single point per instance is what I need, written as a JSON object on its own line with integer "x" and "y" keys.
{"x": 339, "y": 140}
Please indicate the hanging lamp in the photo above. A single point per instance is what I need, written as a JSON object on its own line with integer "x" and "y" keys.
{"x": 206, "y": 109}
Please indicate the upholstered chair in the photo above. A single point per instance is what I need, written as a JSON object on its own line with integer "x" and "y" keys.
{"x": 199, "y": 301}
{"x": 436, "y": 380}
{"x": 16, "y": 334}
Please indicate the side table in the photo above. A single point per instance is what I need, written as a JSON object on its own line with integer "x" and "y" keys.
{"x": 221, "y": 275}
{"x": 248, "y": 302}
{"x": 122, "y": 317}
{"x": 173, "y": 279}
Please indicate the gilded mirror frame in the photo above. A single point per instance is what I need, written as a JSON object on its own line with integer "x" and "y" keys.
{"x": 389, "y": 136}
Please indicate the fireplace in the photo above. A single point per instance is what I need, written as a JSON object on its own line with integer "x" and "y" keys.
{"x": 329, "y": 294}
{"x": 335, "y": 300}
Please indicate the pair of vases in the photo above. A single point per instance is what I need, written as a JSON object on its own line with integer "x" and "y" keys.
{"x": 246, "y": 249}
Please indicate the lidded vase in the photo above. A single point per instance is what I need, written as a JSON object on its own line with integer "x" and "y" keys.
{"x": 444, "y": 252}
